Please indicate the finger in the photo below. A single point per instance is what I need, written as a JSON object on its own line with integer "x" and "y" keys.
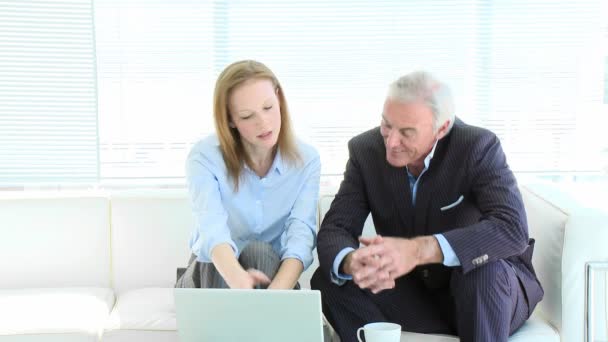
{"x": 373, "y": 261}
{"x": 381, "y": 286}
{"x": 366, "y": 259}
{"x": 379, "y": 261}
{"x": 386, "y": 263}
{"x": 364, "y": 273}
{"x": 367, "y": 252}
{"x": 383, "y": 275}
{"x": 366, "y": 283}
{"x": 258, "y": 276}
{"x": 390, "y": 269}
{"x": 369, "y": 281}
{"x": 370, "y": 240}
{"x": 356, "y": 266}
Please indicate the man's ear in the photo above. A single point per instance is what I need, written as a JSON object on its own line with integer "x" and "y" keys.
{"x": 443, "y": 130}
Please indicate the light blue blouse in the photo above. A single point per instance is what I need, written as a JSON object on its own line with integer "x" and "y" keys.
{"x": 279, "y": 208}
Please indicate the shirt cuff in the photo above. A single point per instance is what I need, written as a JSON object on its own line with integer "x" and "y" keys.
{"x": 449, "y": 256}
{"x": 335, "y": 275}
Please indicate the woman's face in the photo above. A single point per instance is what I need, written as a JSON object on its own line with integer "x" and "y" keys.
{"x": 256, "y": 114}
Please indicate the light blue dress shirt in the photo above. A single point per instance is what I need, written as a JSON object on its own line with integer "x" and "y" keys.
{"x": 279, "y": 208}
{"x": 449, "y": 257}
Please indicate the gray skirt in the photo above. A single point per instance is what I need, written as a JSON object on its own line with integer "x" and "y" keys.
{"x": 258, "y": 255}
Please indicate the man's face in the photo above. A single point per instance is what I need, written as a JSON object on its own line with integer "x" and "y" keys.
{"x": 407, "y": 129}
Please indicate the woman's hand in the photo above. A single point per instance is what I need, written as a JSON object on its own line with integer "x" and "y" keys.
{"x": 287, "y": 275}
{"x": 233, "y": 273}
{"x": 248, "y": 279}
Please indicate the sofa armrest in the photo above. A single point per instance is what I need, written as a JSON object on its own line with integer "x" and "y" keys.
{"x": 576, "y": 236}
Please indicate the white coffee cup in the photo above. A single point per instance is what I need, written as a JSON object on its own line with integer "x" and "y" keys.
{"x": 380, "y": 332}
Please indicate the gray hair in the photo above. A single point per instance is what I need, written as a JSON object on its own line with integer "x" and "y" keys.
{"x": 422, "y": 86}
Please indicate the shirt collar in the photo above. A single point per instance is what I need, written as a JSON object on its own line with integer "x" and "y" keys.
{"x": 277, "y": 164}
{"x": 427, "y": 160}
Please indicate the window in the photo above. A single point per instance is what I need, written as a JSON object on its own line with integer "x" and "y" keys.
{"x": 533, "y": 71}
{"x": 606, "y": 80}
{"x": 156, "y": 76}
{"x": 48, "y": 103}
{"x": 528, "y": 70}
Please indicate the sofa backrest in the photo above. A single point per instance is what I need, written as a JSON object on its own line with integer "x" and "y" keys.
{"x": 50, "y": 241}
{"x": 150, "y": 235}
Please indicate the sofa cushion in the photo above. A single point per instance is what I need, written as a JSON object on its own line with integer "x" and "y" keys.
{"x": 67, "y": 337}
{"x": 144, "y": 309}
{"x": 152, "y": 311}
{"x": 534, "y": 330}
{"x": 55, "y": 242}
{"x": 149, "y": 239}
{"x": 63, "y": 310}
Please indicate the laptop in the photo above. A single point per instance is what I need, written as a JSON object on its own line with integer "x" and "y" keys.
{"x": 218, "y": 315}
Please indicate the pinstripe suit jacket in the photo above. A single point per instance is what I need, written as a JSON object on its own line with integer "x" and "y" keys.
{"x": 488, "y": 224}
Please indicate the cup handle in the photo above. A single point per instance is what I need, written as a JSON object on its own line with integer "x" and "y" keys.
{"x": 359, "y": 337}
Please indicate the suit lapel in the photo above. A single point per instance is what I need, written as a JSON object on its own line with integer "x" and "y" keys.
{"x": 402, "y": 194}
{"x": 423, "y": 195}
{"x": 426, "y": 188}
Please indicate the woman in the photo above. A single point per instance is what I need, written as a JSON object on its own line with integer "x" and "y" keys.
{"x": 253, "y": 188}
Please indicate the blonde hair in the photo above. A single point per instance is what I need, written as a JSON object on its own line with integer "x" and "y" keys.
{"x": 231, "y": 144}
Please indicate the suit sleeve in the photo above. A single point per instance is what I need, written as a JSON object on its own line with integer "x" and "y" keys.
{"x": 344, "y": 221}
{"x": 502, "y": 230}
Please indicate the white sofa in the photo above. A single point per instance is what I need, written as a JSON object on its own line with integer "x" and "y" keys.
{"x": 100, "y": 267}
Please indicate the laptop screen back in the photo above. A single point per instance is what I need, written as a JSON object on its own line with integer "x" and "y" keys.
{"x": 248, "y": 315}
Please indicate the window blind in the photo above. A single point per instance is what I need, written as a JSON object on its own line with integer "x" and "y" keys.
{"x": 48, "y": 107}
{"x": 528, "y": 70}
{"x": 540, "y": 82}
{"x": 156, "y": 78}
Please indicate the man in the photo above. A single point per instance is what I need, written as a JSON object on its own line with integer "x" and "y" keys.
{"x": 452, "y": 254}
